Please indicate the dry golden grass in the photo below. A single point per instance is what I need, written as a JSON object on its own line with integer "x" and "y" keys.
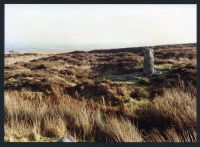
{"x": 171, "y": 117}
{"x": 180, "y": 106}
{"x": 33, "y": 119}
{"x": 121, "y": 130}
{"x": 171, "y": 135}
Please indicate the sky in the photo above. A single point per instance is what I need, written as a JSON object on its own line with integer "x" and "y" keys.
{"x": 97, "y": 26}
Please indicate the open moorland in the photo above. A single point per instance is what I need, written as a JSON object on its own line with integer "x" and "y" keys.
{"x": 96, "y": 96}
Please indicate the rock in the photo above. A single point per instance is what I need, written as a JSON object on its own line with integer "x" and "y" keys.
{"x": 148, "y": 68}
{"x": 66, "y": 139}
{"x": 132, "y": 76}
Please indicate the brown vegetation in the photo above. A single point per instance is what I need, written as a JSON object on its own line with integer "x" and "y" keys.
{"x": 42, "y": 118}
{"x": 75, "y": 93}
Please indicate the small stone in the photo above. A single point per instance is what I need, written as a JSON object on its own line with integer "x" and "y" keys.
{"x": 67, "y": 139}
{"x": 132, "y": 76}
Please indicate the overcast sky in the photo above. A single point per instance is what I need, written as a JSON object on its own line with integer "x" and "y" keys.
{"x": 92, "y": 26}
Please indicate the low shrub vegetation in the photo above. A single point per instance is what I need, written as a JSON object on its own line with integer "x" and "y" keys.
{"x": 171, "y": 117}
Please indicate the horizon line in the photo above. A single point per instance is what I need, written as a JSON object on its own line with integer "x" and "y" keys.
{"x": 85, "y": 50}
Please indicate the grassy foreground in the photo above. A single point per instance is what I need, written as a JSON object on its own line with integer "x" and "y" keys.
{"x": 170, "y": 118}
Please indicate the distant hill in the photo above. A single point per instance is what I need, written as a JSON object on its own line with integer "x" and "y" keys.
{"x": 13, "y": 52}
{"x": 139, "y": 49}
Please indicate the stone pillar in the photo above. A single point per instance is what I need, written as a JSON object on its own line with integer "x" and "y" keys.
{"x": 148, "y": 68}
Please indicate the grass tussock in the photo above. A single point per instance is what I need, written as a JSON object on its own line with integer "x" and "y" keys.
{"x": 175, "y": 109}
{"x": 180, "y": 106}
{"x": 121, "y": 130}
